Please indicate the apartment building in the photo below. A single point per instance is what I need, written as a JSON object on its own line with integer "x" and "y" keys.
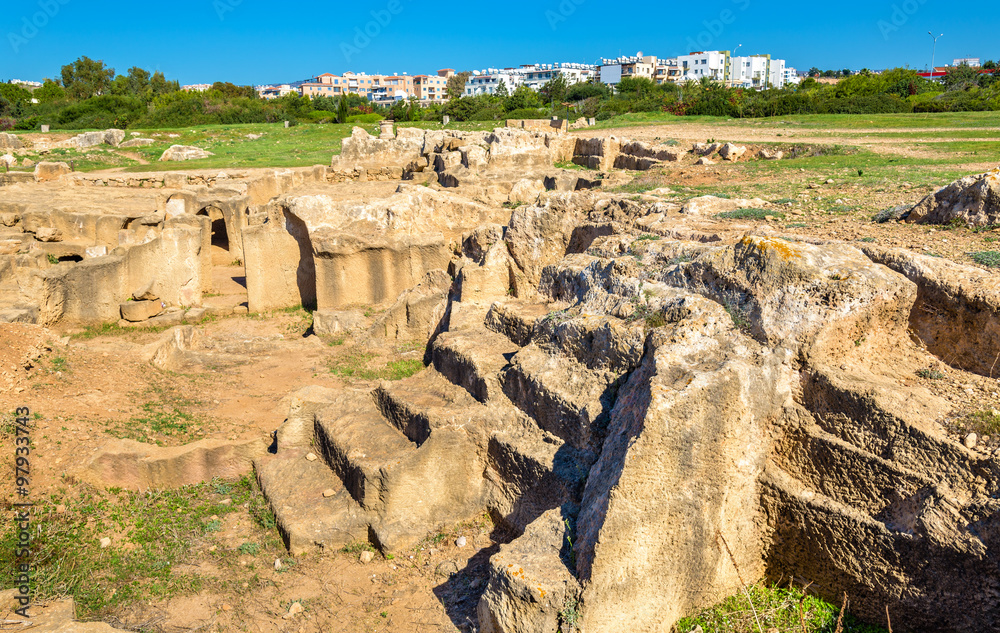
{"x": 533, "y": 76}
{"x": 431, "y": 88}
{"x": 273, "y": 92}
{"x": 701, "y": 64}
{"x": 612, "y": 71}
{"x": 386, "y": 90}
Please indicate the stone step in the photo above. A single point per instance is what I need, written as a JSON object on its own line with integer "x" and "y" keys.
{"x": 515, "y": 319}
{"x": 361, "y": 448}
{"x": 425, "y": 402}
{"x": 473, "y": 359}
{"x": 294, "y": 487}
{"x": 563, "y": 396}
{"x": 851, "y": 476}
{"x": 532, "y": 472}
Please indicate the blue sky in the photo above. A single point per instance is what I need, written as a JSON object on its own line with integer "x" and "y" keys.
{"x": 252, "y": 42}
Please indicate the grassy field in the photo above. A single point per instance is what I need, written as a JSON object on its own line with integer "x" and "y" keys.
{"x": 314, "y": 144}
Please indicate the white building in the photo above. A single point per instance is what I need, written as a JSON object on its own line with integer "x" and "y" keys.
{"x": 972, "y": 62}
{"x": 635, "y": 66}
{"x": 791, "y": 76}
{"x": 711, "y": 64}
{"x": 758, "y": 72}
{"x": 488, "y": 81}
{"x": 533, "y": 76}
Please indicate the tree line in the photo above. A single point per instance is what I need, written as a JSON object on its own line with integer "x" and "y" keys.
{"x": 90, "y": 95}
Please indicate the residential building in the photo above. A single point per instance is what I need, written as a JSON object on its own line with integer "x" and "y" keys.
{"x": 791, "y": 76}
{"x": 273, "y": 92}
{"x": 701, "y": 64}
{"x": 431, "y": 88}
{"x": 668, "y": 71}
{"x": 533, "y": 76}
{"x": 386, "y": 90}
{"x": 29, "y": 85}
{"x": 974, "y": 62}
{"x": 196, "y": 87}
{"x": 487, "y": 82}
{"x": 614, "y": 70}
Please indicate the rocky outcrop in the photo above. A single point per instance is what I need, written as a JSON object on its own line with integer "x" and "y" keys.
{"x": 184, "y": 152}
{"x": 9, "y": 141}
{"x": 973, "y": 200}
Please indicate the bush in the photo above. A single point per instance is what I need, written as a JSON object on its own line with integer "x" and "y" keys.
{"x": 7, "y": 124}
{"x": 528, "y": 113}
{"x": 29, "y": 123}
{"x": 365, "y": 119}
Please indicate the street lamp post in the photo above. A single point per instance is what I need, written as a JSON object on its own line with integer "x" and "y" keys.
{"x": 933, "y": 50}
{"x": 732, "y": 58}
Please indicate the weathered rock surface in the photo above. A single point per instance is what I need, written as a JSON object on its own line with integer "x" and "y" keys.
{"x": 45, "y": 172}
{"x": 10, "y": 141}
{"x": 974, "y": 200}
{"x": 184, "y": 152}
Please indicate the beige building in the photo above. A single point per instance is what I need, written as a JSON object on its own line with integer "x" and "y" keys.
{"x": 431, "y": 88}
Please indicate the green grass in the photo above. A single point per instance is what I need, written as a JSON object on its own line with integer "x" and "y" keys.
{"x": 981, "y": 422}
{"x": 152, "y": 534}
{"x": 164, "y": 420}
{"x": 779, "y": 608}
{"x": 986, "y": 258}
{"x": 749, "y": 213}
{"x": 359, "y": 365}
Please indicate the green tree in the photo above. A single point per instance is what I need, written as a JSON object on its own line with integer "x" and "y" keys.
{"x": 159, "y": 85}
{"x": 814, "y": 72}
{"x": 15, "y": 94}
{"x": 554, "y": 90}
{"x": 502, "y": 91}
{"x": 523, "y": 97}
{"x": 49, "y": 92}
{"x": 138, "y": 81}
{"x": 990, "y": 65}
{"x": 456, "y": 84}
{"x": 960, "y": 78}
{"x": 87, "y": 78}
{"x": 343, "y": 110}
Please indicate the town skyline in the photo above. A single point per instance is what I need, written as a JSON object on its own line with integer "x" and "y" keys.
{"x": 246, "y": 42}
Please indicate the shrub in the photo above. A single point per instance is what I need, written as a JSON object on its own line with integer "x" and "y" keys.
{"x": 7, "y": 124}
{"x": 527, "y": 113}
{"x": 986, "y": 258}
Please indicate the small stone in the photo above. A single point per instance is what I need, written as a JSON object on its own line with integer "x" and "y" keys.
{"x": 830, "y": 181}
{"x": 227, "y": 607}
{"x": 971, "y": 440}
{"x": 277, "y": 564}
{"x": 293, "y": 610}
{"x": 213, "y": 548}
{"x": 366, "y": 557}
{"x": 105, "y": 543}
{"x": 329, "y": 492}
{"x": 460, "y": 542}
{"x": 225, "y": 502}
{"x": 311, "y": 457}
{"x": 60, "y": 509}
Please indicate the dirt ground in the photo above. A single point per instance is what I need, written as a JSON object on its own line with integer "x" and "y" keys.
{"x": 86, "y": 389}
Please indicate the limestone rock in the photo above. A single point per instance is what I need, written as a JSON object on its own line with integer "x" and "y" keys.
{"x": 526, "y": 191}
{"x": 706, "y": 149}
{"x": 711, "y": 205}
{"x": 184, "y": 152}
{"x": 45, "y": 172}
{"x": 146, "y": 292}
{"x": 974, "y": 200}
{"x": 136, "y": 311}
{"x": 8, "y": 161}
{"x": 704, "y": 161}
{"x": 138, "y": 142}
{"x": 137, "y": 466}
{"x": 769, "y": 155}
{"x": 732, "y": 152}
{"x": 9, "y": 141}
{"x": 49, "y": 234}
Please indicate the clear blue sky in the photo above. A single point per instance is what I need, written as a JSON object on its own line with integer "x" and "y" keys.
{"x": 253, "y": 42}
